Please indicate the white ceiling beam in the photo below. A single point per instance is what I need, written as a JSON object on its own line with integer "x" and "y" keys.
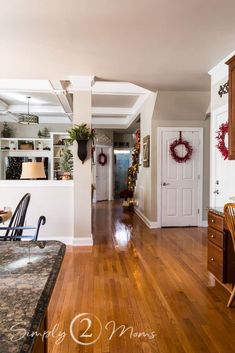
{"x": 117, "y": 88}
{"x": 111, "y": 111}
{"x": 111, "y": 121}
{"x": 65, "y": 99}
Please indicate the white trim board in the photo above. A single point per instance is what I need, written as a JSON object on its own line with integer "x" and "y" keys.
{"x": 149, "y": 224}
{"x": 69, "y": 240}
{"x": 159, "y": 170}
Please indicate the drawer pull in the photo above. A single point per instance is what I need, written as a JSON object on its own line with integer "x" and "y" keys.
{"x": 212, "y": 220}
{"x": 212, "y": 259}
{"x": 212, "y": 236}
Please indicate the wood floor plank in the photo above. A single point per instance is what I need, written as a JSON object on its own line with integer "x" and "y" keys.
{"x": 151, "y": 280}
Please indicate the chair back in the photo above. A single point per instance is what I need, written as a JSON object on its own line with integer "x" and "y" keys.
{"x": 229, "y": 215}
{"x": 18, "y": 218}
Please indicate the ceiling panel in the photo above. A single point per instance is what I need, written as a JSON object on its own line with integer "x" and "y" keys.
{"x": 18, "y": 98}
{"x": 114, "y": 101}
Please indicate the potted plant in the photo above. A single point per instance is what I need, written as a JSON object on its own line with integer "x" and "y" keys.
{"x": 82, "y": 134}
{"x": 66, "y": 163}
{"x": 7, "y": 130}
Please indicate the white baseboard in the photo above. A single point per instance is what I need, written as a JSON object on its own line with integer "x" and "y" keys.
{"x": 150, "y": 224}
{"x": 83, "y": 241}
{"x": 204, "y": 224}
{"x": 70, "y": 240}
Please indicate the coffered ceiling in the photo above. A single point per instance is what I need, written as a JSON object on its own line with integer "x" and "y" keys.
{"x": 114, "y": 104}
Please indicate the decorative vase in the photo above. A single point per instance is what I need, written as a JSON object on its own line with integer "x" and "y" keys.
{"x": 82, "y": 149}
{"x": 66, "y": 176}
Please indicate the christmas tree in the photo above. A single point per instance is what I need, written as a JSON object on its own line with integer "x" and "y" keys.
{"x": 6, "y": 131}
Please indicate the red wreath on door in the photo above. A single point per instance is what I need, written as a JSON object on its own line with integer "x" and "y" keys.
{"x": 220, "y": 137}
{"x": 187, "y": 146}
{"x": 102, "y": 158}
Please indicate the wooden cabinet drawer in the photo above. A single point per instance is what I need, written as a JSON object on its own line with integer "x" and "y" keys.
{"x": 215, "y": 221}
{"x": 216, "y": 237}
{"x": 215, "y": 261}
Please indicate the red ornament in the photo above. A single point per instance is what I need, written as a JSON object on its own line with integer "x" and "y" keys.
{"x": 220, "y": 137}
{"x": 187, "y": 146}
{"x": 102, "y": 158}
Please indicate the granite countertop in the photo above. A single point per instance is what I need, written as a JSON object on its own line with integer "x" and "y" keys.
{"x": 217, "y": 210}
{"x": 25, "y": 289}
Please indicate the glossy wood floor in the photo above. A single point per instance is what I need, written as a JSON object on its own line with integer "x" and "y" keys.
{"x": 152, "y": 280}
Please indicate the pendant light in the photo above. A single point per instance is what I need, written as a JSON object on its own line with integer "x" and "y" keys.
{"x": 28, "y": 119}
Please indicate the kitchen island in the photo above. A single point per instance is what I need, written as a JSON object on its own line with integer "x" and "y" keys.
{"x": 27, "y": 279}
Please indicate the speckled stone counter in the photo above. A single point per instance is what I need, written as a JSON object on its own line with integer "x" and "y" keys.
{"x": 217, "y": 210}
{"x": 25, "y": 289}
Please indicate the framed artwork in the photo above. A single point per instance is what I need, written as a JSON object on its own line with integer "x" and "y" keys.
{"x": 146, "y": 151}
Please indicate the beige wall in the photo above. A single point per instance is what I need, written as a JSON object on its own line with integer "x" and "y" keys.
{"x": 172, "y": 109}
{"x": 144, "y": 182}
{"x": 32, "y": 130}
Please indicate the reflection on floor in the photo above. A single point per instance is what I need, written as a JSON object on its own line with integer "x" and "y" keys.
{"x": 154, "y": 282}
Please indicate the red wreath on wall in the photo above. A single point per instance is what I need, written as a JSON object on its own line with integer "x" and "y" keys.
{"x": 102, "y": 158}
{"x": 220, "y": 137}
{"x": 187, "y": 146}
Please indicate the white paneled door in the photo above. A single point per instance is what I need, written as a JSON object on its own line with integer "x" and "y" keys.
{"x": 180, "y": 182}
{"x": 102, "y": 176}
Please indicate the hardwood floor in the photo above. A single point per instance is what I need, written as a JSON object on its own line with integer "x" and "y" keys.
{"x": 151, "y": 280}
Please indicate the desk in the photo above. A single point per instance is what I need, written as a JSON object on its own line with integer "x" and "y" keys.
{"x": 221, "y": 257}
{"x": 5, "y": 216}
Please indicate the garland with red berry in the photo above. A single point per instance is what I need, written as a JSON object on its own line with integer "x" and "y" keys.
{"x": 186, "y": 144}
{"x": 220, "y": 137}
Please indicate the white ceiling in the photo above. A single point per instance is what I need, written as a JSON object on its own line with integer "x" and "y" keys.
{"x": 157, "y": 44}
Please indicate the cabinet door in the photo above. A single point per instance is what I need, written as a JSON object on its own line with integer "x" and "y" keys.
{"x": 231, "y": 134}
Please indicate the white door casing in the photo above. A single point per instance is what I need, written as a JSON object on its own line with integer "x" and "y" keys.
{"x": 180, "y": 184}
{"x": 222, "y": 171}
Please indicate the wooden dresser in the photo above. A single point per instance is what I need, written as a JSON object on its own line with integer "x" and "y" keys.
{"x": 221, "y": 257}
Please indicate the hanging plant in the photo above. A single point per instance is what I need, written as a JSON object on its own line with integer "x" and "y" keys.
{"x": 181, "y": 142}
{"x": 82, "y": 134}
{"x": 220, "y": 137}
{"x": 102, "y": 158}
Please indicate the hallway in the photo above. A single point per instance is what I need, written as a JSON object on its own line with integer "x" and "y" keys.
{"x": 151, "y": 280}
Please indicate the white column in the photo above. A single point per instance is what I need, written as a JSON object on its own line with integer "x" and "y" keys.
{"x": 82, "y": 172}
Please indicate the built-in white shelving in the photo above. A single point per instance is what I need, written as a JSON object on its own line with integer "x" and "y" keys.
{"x": 31, "y": 148}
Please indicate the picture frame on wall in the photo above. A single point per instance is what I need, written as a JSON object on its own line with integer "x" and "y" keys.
{"x": 146, "y": 151}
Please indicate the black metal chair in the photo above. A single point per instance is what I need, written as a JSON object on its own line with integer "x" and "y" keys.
{"x": 15, "y": 229}
{"x": 19, "y": 230}
{"x": 18, "y": 218}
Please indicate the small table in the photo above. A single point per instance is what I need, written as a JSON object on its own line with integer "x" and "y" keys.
{"x": 5, "y": 216}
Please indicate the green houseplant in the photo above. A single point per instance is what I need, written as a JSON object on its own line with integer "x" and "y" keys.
{"x": 82, "y": 134}
{"x": 7, "y": 130}
{"x": 66, "y": 163}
